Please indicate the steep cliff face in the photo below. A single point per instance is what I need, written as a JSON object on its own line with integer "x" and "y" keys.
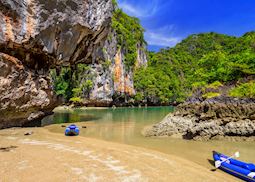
{"x": 105, "y": 76}
{"x": 36, "y": 35}
{"x": 62, "y": 31}
{"x": 113, "y": 81}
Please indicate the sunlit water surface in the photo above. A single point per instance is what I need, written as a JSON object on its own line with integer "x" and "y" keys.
{"x": 125, "y": 125}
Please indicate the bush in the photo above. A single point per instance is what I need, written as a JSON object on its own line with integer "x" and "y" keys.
{"x": 76, "y": 100}
{"x": 61, "y": 83}
{"x": 214, "y": 85}
{"x": 76, "y": 83}
{"x": 139, "y": 96}
{"x": 106, "y": 64}
{"x": 210, "y": 95}
{"x": 198, "y": 85}
{"x": 244, "y": 90}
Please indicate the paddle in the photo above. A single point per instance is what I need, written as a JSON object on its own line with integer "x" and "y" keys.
{"x": 218, "y": 163}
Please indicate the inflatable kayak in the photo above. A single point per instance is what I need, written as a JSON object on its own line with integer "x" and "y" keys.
{"x": 242, "y": 170}
{"x": 72, "y": 130}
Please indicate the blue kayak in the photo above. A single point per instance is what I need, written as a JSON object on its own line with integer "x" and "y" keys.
{"x": 242, "y": 170}
{"x": 72, "y": 130}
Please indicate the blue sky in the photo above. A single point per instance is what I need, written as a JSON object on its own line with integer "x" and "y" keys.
{"x": 167, "y": 22}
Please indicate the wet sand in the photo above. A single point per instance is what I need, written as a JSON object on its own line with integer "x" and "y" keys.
{"x": 46, "y": 156}
{"x": 199, "y": 152}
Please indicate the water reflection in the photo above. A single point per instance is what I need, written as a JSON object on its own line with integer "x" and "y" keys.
{"x": 65, "y": 117}
{"x": 121, "y": 124}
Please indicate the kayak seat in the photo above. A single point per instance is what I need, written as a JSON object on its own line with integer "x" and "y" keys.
{"x": 250, "y": 167}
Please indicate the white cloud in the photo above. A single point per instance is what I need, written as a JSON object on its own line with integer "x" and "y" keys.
{"x": 161, "y": 40}
{"x": 139, "y": 10}
{"x": 162, "y": 37}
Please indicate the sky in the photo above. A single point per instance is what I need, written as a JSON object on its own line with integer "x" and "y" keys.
{"x": 167, "y": 22}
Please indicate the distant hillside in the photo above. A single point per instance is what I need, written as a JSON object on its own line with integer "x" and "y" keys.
{"x": 197, "y": 62}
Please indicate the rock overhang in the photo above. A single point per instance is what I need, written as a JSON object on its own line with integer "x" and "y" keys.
{"x": 60, "y": 30}
{"x": 39, "y": 35}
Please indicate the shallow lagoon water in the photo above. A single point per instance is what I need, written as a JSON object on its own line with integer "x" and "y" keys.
{"x": 124, "y": 125}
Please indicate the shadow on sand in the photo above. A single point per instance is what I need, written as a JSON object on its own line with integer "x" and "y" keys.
{"x": 7, "y": 149}
{"x": 212, "y": 163}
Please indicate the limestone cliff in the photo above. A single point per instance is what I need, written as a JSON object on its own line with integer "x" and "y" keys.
{"x": 36, "y": 35}
{"x": 105, "y": 76}
{"x": 112, "y": 81}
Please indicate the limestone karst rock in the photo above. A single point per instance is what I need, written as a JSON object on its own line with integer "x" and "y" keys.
{"x": 208, "y": 119}
{"x": 36, "y": 35}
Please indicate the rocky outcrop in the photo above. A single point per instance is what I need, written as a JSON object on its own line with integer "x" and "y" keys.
{"x": 37, "y": 35}
{"x": 212, "y": 118}
{"x": 24, "y": 96}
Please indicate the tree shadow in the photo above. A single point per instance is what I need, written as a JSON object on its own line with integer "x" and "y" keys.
{"x": 7, "y": 149}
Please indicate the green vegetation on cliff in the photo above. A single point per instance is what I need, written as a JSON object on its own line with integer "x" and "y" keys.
{"x": 198, "y": 61}
{"x": 158, "y": 82}
{"x": 76, "y": 84}
{"x": 204, "y": 61}
{"x": 73, "y": 86}
{"x": 129, "y": 35}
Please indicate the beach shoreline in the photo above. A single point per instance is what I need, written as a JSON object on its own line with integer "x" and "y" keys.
{"x": 54, "y": 157}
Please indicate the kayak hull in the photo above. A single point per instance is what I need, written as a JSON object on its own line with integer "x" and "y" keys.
{"x": 242, "y": 170}
{"x": 72, "y": 130}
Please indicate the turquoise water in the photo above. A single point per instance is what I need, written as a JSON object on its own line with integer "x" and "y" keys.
{"x": 136, "y": 115}
{"x": 125, "y": 125}
{"x": 122, "y": 124}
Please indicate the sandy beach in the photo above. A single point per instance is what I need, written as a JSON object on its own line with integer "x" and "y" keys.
{"x": 46, "y": 156}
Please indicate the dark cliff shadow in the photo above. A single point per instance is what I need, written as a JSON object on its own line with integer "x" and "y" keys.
{"x": 8, "y": 149}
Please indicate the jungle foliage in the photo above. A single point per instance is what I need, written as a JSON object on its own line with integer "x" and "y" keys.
{"x": 205, "y": 61}
{"x": 130, "y": 34}
{"x": 202, "y": 60}
{"x": 73, "y": 85}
